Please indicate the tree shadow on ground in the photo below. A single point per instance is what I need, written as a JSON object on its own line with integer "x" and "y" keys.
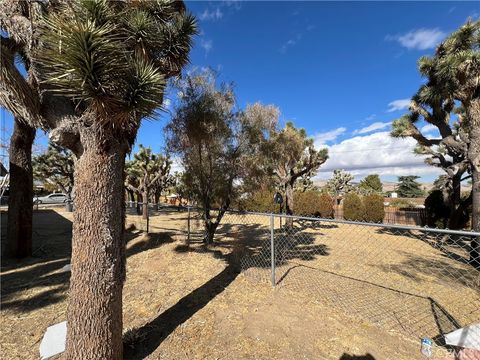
{"x": 453, "y": 247}
{"x": 346, "y": 356}
{"x": 416, "y": 267}
{"x": 156, "y": 330}
{"x": 41, "y": 274}
{"x": 238, "y": 241}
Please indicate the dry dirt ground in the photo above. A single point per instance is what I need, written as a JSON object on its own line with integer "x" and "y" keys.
{"x": 189, "y": 302}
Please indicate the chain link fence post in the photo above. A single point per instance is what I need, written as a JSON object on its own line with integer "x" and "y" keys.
{"x": 188, "y": 227}
{"x": 272, "y": 248}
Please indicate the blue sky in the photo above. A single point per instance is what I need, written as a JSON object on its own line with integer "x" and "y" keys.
{"x": 341, "y": 70}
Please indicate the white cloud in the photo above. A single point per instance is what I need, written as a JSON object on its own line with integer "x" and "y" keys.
{"x": 400, "y": 104}
{"x": 176, "y": 166}
{"x": 289, "y": 43}
{"x": 207, "y": 45}
{"x": 371, "y": 117}
{"x": 321, "y": 139}
{"x": 167, "y": 103}
{"x": 214, "y": 14}
{"x": 428, "y": 129}
{"x": 376, "y": 153}
{"x": 421, "y": 39}
{"x": 373, "y": 127}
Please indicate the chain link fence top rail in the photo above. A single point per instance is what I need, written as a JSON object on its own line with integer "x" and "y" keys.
{"x": 412, "y": 280}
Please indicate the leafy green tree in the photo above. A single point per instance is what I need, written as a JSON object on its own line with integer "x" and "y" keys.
{"x": 409, "y": 187}
{"x": 146, "y": 172}
{"x": 215, "y": 144}
{"x": 56, "y": 166}
{"x": 371, "y": 184}
{"x": 95, "y": 70}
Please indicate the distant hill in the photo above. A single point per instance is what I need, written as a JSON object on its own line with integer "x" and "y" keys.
{"x": 390, "y": 185}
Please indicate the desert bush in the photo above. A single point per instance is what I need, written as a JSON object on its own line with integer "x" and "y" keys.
{"x": 305, "y": 203}
{"x": 313, "y": 203}
{"x": 353, "y": 208}
{"x": 374, "y": 210}
{"x": 402, "y": 204}
{"x": 261, "y": 201}
{"x": 325, "y": 206}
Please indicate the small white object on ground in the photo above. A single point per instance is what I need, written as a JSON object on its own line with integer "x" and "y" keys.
{"x": 53, "y": 342}
{"x": 467, "y": 337}
{"x": 66, "y": 268}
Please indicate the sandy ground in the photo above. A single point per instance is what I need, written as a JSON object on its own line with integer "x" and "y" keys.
{"x": 188, "y": 302}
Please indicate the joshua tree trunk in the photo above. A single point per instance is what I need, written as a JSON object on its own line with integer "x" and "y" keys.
{"x": 20, "y": 202}
{"x": 457, "y": 211}
{"x": 98, "y": 252}
{"x": 289, "y": 203}
{"x": 474, "y": 156}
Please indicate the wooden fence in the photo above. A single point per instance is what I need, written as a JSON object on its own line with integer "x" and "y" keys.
{"x": 398, "y": 216}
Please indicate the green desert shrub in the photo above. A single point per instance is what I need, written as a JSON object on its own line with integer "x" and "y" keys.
{"x": 402, "y": 203}
{"x": 305, "y": 203}
{"x": 261, "y": 201}
{"x": 325, "y": 206}
{"x": 353, "y": 208}
{"x": 374, "y": 210}
{"x": 313, "y": 203}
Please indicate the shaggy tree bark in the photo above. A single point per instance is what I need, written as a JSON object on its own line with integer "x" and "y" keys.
{"x": 98, "y": 252}
{"x": 20, "y": 202}
{"x": 473, "y": 112}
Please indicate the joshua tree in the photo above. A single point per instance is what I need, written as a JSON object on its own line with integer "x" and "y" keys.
{"x": 292, "y": 157}
{"x": 447, "y": 150}
{"x": 339, "y": 184}
{"x": 96, "y": 68}
{"x": 453, "y": 76}
{"x": 56, "y": 167}
{"x": 456, "y": 67}
{"x": 150, "y": 172}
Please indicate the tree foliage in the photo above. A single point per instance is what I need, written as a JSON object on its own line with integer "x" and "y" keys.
{"x": 95, "y": 69}
{"x": 147, "y": 172}
{"x": 409, "y": 187}
{"x": 292, "y": 157}
{"x": 214, "y": 142}
{"x": 56, "y": 167}
{"x": 371, "y": 184}
{"x": 353, "y": 208}
{"x": 340, "y": 183}
{"x": 374, "y": 208}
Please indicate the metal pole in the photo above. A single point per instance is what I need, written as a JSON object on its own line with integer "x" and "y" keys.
{"x": 148, "y": 218}
{"x": 272, "y": 248}
{"x": 188, "y": 227}
{"x": 280, "y": 217}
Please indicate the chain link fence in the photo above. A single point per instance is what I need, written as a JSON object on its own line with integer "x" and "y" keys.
{"x": 416, "y": 281}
